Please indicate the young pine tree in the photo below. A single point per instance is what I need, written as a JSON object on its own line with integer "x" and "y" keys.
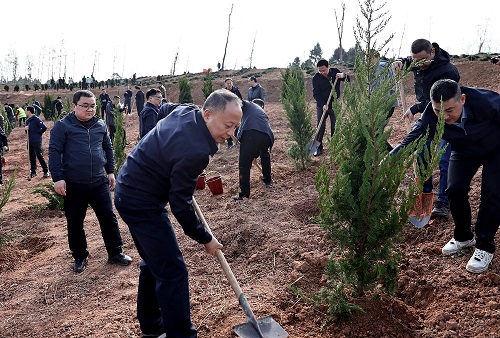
{"x": 208, "y": 87}
{"x": 185, "y": 95}
{"x": 365, "y": 205}
{"x": 298, "y": 114}
{"x": 119, "y": 141}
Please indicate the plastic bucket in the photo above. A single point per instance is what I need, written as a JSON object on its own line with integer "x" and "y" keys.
{"x": 215, "y": 185}
{"x": 201, "y": 182}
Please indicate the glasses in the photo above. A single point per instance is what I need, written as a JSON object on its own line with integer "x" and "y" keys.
{"x": 87, "y": 107}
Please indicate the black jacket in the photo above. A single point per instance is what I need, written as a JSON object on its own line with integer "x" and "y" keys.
{"x": 78, "y": 154}
{"x": 147, "y": 119}
{"x": 164, "y": 166}
{"x": 440, "y": 69}
{"x": 322, "y": 86}
{"x": 36, "y": 128}
{"x": 481, "y": 132}
{"x": 254, "y": 118}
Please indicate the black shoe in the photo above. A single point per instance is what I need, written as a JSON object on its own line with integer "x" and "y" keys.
{"x": 269, "y": 184}
{"x": 120, "y": 259}
{"x": 239, "y": 197}
{"x": 32, "y": 175}
{"x": 441, "y": 209}
{"x": 45, "y": 175}
{"x": 80, "y": 265}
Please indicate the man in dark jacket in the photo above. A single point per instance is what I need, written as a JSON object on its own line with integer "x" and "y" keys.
{"x": 322, "y": 87}
{"x": 35, "y": 129}
{"x": 57, "y": 107}
{"x": 472, "y": 128}
{"x": 256, "y": 139}
{"x": 149, "y": 115}
{"x": 139, "y": 99}
{"x": 128, "y": 100}
{"x": 433, "y": 64}
{"x": 105, "y": 99}
{"x": 166, "y": 109}
{"x": 164, "y": 168}
{"x": 80, "y": 158}
{"x": 229, "y": 85}
{"x": 10, "y": 114}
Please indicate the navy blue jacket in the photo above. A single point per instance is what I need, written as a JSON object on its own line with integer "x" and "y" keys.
{"x": 139, "y": 100}
{"x": 481, "y": 133}
{"x": 79, "y": 154}
{"x": 256, "y": 92}
{"x": 166, "y": 109}
{"x": 439, "y": 69}
{"x": 164, "y": 166}
{"x": 36, "y": 128}
{"x": 147, "y": 119}
{"x": 322, "y": 86}
{"x": 236, "y": 91}
{"x": 254, "y": 118}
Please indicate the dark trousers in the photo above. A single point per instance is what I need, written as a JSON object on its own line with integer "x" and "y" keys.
{"x": 460, "y": 173}
{"x": 443, "y": 174}
{"x": 36, "y": 153}
{"x": 321, "y": 132}
{"x": 253, "y": 144}
{"x": 128, "y": 104}
{"x": 163, "y": 294}
{"x": 77, "y": 199}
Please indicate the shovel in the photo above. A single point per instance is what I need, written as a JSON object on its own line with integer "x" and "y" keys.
{"x": 421, "y": 211}
{"x": 265, "y": 327}
{"x": 314, "y": 144}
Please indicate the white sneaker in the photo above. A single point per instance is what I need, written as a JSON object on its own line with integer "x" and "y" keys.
{"x": 453, "y": 246}
{"x": 479, "y": 261}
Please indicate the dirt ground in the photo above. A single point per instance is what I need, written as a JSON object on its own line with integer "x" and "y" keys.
{"x": 270, "y": 242}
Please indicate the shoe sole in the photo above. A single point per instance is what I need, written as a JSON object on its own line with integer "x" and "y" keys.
{"x": 476, "y": 270}
{"x": 449, "y": 253}
{"x": 112, "y": 261}
{"x": 83, "y": 268}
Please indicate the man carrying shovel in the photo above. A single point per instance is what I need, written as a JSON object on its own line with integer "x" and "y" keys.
{"x": 322, "y": 87}
{"x": 164, "y": 168}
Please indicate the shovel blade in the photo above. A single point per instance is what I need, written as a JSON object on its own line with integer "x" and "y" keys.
{"x": 422, "y": 210}
{"x": 267, "y": 325}
{"x": 313, "y": 147}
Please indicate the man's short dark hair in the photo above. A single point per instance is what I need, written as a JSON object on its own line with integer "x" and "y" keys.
{"x": 444, "y": 90}
{"x": 421, "y": 44}
{"x": 83, "y": 92}
{"x": 137, "y": 87}
{"x": 31, "y": 109}
{"x": 253, "y": 78}
{"x": 116, "y": 97}
{"x": 152, "y": 92}
{"x": 322, "y": 62}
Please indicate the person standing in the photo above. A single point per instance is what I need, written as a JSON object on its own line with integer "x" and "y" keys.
{"x": 10, "y": 114}
{"x": 256, "y": 91}
{"x": 105, "y": 99}
{"x": 82, "y": 165}
{"x": 35, "y": 129}
{"x": 229, "y": 85}
{"x": 433, "y": 64}
{"x": 256, "y": 139}
{"x": 472, "y": 127}
{"x": 164, "y": 168}
{"x": 139, "y": 99}
{"x": 322, "y": 87}
{"x": 128, "y": 100}
{"x": 149, "y": 115}
{"x": 4, "y": 144}
{"x": 21, "y": 116}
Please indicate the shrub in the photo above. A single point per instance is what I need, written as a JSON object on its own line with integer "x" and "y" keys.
{"x": 16, "y": 88}
{"x": 208, "y": 87}
{"x": 6, "y": 190}
{"x": 6, "y": 88}
{"x": 119, "y": 141}
{"x": 47, "y": 106}
{"x": 27, "y": 87}
{"x": 185, "y": 95}
{"x": 298, "y": 114}
{"x": 47, "y": 190}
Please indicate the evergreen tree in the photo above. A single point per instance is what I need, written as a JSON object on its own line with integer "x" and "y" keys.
{"x": 208, "y": 87}
{"x": 119, "y": 140}
{"x": 316, "y": 54}
{"x": 47, "y": 106}
{"x": 364, "y": 207}
{"x": 298, "y": 114}
{"x": 185, "y": 95}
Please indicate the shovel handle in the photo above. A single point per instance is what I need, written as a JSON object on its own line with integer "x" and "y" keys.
{"x": 327, "y": 104}
{"x": 220, "y": 255}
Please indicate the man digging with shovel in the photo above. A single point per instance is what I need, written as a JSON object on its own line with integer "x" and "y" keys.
{"x": 164, "y": 168}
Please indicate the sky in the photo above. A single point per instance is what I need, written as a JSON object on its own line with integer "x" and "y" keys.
{"x": 143, "y": 37}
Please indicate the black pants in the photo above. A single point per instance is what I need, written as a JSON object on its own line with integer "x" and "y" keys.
{"x": 77, "y": 199}
{"x": 36, "y": 153}
{"x": 128, "y": 104}
{"x": 321, "y": 132}
{"x": 253, "y": 144}
{"x": 460, "y": 173}
{"x": 163, "y": 293}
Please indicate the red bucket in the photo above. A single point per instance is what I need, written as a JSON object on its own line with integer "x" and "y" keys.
{"x": 215, "y": 185}
{"x": 201, "y": 182}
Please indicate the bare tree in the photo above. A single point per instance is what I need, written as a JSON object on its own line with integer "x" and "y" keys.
{"x": 172, "y": 71}
{"x": 12, "y": 62}
{"x": 481, "y": 32}
{"x": 29, "y": 67}
{"x": 340, "y": 29}
{"x": 251, "y": 53}
{"x": 227, "y": 39}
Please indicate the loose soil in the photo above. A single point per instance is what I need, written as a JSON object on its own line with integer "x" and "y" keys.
{"x": 270, "y": 241}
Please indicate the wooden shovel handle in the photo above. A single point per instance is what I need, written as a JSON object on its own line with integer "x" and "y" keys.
{"x": 220, "y": 255}
{"x": 324, "y": 113}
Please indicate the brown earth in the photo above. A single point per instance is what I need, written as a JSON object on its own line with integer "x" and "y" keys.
{"x": 270, "y": 241}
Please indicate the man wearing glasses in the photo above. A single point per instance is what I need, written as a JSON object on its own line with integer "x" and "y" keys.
{"x": 149, "y": 115}
{"x": 82, "y": 165}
